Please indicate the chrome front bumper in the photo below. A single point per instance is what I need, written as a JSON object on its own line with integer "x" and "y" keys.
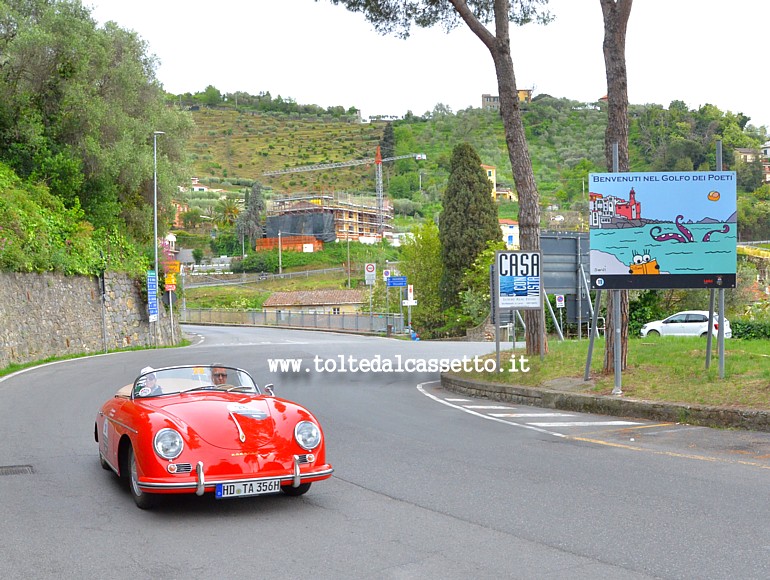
{"x": 200, "y": 484}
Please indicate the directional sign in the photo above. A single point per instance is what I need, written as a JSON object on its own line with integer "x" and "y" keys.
{"x": 152, "y": 295}
{"x": 172, "y": 266}
{"x": 397, "y": 281}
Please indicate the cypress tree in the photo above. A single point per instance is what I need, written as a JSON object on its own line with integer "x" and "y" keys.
{"x": 388, "y": 142}
{"x": 468, "y": 220}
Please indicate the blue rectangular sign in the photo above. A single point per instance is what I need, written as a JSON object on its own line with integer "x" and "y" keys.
{"x": 396, "y": 281}
{"x": 152, "y": 295}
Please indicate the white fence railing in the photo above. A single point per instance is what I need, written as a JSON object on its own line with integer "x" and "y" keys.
{"x": 365, "y": 322}
{"x": 199, "y": 278}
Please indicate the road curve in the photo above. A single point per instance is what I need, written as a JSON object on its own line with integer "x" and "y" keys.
{"x": 427, "y": 484}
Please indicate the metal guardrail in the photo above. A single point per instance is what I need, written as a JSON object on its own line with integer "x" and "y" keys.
{"x": 208, "y": 278}
{"x": 754, "y": 251}
{"x": 363, "y": 322}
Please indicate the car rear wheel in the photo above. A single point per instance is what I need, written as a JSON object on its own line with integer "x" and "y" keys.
{"x": 295, "y": 491}
{"x": 142, "y": 499}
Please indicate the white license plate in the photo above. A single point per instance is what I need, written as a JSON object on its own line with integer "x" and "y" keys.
{"x": 247, "y": 488}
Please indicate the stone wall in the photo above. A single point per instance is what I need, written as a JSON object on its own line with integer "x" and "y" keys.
{"x": 49, "y": 315}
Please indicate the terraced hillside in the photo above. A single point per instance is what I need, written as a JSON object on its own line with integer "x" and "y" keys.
{"x": 229, "y": 144}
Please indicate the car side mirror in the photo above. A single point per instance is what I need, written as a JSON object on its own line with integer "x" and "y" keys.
{"x": 269, "y": 388}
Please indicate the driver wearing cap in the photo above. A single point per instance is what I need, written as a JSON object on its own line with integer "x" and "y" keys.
{"x": 149, "y": 387}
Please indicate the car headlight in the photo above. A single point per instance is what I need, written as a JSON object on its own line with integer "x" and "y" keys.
{"x": 168, "y": 443}
{"x": 307, "y": 434}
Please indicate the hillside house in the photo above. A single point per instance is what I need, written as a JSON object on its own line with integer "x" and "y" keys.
{"x": 315, "y": 301}
{"x": 510, "y": 231}
{"x": 180, "y": 208}
{"x": 747, "y": 155}
{"x": 492, "y": 102}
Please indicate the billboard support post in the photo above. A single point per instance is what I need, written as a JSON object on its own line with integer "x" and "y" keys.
{"x": 592, "y": 334}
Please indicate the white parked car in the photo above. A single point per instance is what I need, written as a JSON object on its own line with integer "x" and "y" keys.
{"x": 687, "y": 323}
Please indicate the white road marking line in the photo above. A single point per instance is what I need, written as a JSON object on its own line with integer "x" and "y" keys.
{"x": 584, "y": 424}
{"x": 458, "y": 400}
{"x": 531, "y": 415}
{"x": 486, "y": 407}
{"x": 471, "y": 412}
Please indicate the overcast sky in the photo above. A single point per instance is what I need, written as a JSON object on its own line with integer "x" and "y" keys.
{"x": 697, "y": 51}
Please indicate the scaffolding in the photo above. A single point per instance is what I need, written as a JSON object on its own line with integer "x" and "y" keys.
{"x": 329, "y": 217}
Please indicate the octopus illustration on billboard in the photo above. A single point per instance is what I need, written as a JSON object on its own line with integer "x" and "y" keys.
{"x": 663, "y": 230}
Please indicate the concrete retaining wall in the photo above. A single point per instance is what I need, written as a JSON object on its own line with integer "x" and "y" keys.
{"x": 48, "y": 315}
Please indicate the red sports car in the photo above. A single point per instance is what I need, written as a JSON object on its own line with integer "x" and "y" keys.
{"x": 208, "y": 428}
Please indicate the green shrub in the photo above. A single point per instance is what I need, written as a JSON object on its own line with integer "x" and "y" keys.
{"x": 751, "y": 329}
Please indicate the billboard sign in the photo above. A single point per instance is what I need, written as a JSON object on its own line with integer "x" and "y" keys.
{"x": 519, "y": 280}
{"x": 663, "y": 230}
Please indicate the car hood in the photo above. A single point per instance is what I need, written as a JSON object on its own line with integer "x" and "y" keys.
{"x": 224, "y": 421}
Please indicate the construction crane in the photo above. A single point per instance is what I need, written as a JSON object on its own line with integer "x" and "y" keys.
{"x": 377, "y": 160}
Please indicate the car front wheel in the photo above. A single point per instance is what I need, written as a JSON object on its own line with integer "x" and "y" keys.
{"x": 142, "y": 499}
{"x": 653, "y": 333}
{"x": 295, "y": 491}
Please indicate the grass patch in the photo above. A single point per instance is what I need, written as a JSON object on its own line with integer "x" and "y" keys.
{"x": 251, "y": 296}
{"x": 671, "y": 369}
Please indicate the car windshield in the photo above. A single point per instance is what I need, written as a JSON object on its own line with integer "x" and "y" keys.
{"x": 171, "y": 380}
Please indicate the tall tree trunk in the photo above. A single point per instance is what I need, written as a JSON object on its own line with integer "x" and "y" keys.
{"x": 499, "y": 46}
{"x": 616, "y": 13}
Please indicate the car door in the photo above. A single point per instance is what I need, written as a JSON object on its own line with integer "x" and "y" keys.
{"x": 674, "y": 325}
{"x": 696, "y": 324}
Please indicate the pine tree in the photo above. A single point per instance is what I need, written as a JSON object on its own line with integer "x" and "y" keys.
{"x": 468, "y": 221}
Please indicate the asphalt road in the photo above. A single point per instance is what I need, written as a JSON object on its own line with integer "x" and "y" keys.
{"x": 427, "y": 484}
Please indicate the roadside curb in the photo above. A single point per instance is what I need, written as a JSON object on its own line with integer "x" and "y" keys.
{"x": 618, "y": 406}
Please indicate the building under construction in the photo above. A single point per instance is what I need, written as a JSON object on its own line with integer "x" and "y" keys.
{"x": 328, "y": 217}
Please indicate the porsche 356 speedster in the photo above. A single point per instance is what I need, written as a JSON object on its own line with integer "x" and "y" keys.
{"x": 208, "y": 429}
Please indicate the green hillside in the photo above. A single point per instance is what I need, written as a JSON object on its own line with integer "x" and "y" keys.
{"x": 565, "y": 138}
{"x": 234, "y": 146}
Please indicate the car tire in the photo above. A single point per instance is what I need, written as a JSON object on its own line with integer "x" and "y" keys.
{"x": 295, "y": 491}
{"x": 142, "y": 499}
{"x": 653, "y": 333}
{"x": 704, "y": 334}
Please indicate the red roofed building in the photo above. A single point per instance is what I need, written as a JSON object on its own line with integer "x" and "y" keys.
{"x": 631, "y": 209}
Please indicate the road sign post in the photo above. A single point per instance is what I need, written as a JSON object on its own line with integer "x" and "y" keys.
{"x": 370, "y": 273}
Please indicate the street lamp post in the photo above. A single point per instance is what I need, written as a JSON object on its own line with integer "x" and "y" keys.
{"x": 155, "y": 207}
